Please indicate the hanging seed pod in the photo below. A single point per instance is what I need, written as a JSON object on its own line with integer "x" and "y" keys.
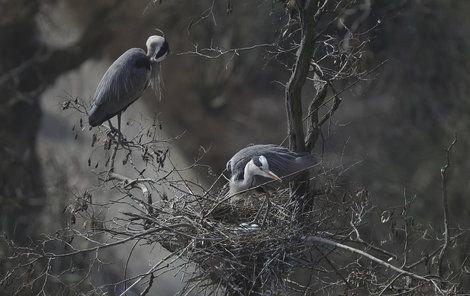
{"x": 66, "y": 105}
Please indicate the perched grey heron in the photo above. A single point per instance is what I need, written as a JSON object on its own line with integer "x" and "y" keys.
{"x": 254, "y": 165}
{"x": 126, "y": 79}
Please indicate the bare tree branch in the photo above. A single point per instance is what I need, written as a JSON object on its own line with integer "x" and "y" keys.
{"x": 445, "y": 205}
{"x": 375, "y": 259}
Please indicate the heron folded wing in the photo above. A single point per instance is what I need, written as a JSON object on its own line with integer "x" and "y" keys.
{"x": 122, "y": 84}
{"x": 288, "y": 165}
{"x": 281, "y": 161}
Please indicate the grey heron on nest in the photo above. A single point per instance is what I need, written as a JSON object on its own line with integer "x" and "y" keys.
{"x": 126, "y": 79}
{"x": 255, "y": 165}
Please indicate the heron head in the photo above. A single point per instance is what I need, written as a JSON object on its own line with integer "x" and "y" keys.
{"x": 260, "y": 166}
{"x": 157, "y": 48}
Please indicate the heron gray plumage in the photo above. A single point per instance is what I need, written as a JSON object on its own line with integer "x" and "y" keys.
{"x": 257, "y": 164}
{"x": 126, "y": 79}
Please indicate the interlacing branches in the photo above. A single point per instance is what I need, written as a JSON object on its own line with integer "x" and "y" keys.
{"x": 251, "y": 243}
{"x": 235, "y": 245}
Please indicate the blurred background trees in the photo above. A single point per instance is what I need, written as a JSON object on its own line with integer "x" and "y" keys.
{"x": 395, "y": 123}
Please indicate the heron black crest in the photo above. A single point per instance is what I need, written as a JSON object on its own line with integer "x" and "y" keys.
{"x": 257, "y": 162}
{"x": 165, "y": 49}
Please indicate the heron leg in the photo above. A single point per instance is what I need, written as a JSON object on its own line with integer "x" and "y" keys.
{"x": 121, "y": 136}
{"x": 111, "y": 125}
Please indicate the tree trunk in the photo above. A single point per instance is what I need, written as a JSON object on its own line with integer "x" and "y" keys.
{"x": 293, "y": 98}
{"x": 21, "y": 186}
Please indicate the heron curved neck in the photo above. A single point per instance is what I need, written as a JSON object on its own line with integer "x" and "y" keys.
{"x": 248, "y": 176}
{"x": 246, "y": 182}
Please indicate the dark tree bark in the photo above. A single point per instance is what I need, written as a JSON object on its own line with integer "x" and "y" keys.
{"x": 293, "y": 98}
{"x": 293, "y": 94}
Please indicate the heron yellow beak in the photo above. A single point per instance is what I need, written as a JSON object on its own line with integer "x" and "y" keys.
{"x": 274, "y": 176}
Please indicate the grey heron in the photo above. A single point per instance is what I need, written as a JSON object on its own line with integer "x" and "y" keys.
{"x": 254, "y": 165}
{"x": 126, "y": 79}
